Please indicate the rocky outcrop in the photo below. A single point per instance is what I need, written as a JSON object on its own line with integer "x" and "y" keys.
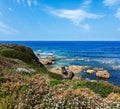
{"x": 47, "y": 61}
{"x": 76, "y": 69}
{"x": 73, "y": 68}
{"x": 98, "y": 69}
{"x": 24, "y": 70}
{"x": 57, "y": 70}
{"x": 90, "y": 71}
{"x": 103, "y": 74}
{"x": 67, "y": 74}
{"x": 77, "y": 78}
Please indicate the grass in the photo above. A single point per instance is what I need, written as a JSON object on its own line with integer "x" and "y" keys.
{"x": 56, "y": 82}
{"x": 103, "y": 89}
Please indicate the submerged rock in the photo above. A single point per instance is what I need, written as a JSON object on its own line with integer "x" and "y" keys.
{"x": 90, "y": 71}
{"x": 103, "y": 74}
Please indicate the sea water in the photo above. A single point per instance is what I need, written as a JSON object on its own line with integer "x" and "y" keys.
{"x": 93, "y": 54}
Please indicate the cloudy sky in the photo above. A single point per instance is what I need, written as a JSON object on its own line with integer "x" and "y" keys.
{"x": 60, "y": 20}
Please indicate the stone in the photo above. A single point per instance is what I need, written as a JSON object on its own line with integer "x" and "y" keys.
{"x": 77, "y": 78}
{"x": 98, "y": 69}
{"x": 66, "y": 74}
{"x": 76, "y": 69}
{"x": 90, "y": 71}
{"x": 103, "y": 74}
{"x": 37, "y": 54}
{"x": 47, "y": 61}
{"x": 57, "y": 70}
{"x": 22, "y": 70}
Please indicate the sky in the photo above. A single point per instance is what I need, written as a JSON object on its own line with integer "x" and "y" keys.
{"x": 60, "y": 20}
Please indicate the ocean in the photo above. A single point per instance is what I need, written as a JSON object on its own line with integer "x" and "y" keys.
{"x": 93, "y": 54}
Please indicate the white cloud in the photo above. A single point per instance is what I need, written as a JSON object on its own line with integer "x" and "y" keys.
{"x": 111, "y": 2}
{"x": 29, "y": 3}
{"x": 86, "y": 3}
{"x": 76, "y": 16}
{"x": 5, "y": 29}
{"x": 117, "y": 15}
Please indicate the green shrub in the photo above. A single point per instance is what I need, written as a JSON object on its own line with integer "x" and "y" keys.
{"x": 15, "y": 54}
{"x": 55, "y": 82}
{"x": 100, "y": 88}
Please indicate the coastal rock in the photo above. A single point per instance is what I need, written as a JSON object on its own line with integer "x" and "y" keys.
{"x": 57, "y": 70}
{"x": 98, "y": 69}
{"x": 103, "y": 74}
{"x": 77, "y": 78}
{"x": 47, "y": 61}
{"x": 52, "y": 57}
{"x": 24, "y": 70}
{"x": 90, "y": 71}
{"x": 37, "y": 54}
{"x": 66, "y": 74}
{"x": 75, "y": 68}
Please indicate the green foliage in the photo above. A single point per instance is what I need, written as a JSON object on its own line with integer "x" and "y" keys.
{"x": 79, "y": 85}
{"x": 55, "y": 76}
{"x": 15, "y": 54}
{"x": 55, "y": 82}
{"x": 100, "y": 88}
{"x": 23, "y": 88}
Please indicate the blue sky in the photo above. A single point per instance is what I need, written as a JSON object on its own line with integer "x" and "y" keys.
{"x": 60, "y": 20}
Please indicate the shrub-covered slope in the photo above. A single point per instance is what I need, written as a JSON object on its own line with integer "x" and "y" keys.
{"x": 39, "y": 89}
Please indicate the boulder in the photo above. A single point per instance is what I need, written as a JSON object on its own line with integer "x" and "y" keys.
{"x": 75, "y": 68}
{"x": 67, "y": 74}
{"x": 77, "y": 78}
{"x": 37, "y": 54}
{"x": 57, "y": 70}
{"x": 47, "y": 61}
{"x": 103, "y": 74}
{"x": 24, "y": 70}
{"x": 90, "y": 71}
{"x": 98, "y": 69}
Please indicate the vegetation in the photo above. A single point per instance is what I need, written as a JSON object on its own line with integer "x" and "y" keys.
{"x": 40, "y": 89}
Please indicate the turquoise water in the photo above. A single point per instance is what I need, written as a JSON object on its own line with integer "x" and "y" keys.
{"x": 92, "y": 54}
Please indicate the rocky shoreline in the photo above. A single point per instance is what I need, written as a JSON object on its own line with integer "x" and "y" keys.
{"x": 75, "y": 69}
{"x": 25, "y": 83}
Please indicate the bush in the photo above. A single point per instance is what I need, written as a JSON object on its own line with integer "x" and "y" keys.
{"x": 55, "y": 82}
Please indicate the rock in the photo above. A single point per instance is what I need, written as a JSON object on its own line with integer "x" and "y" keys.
{"x": 98, "y": 69}
{"x": 52, "y": 57}
{"x": 57, "y": 70}
{"x": 77, "y": 78}
{"x": 37, "y": 54}
{"x": 93, "y": 80}
{"x": 75, "y": 68}
{"x": 90, "y": 71}
{"x": 47, "y": 61}
{"x": 103, "y": 74}
{"x": 24, "y": 70}
{"x": 67, "y": 74}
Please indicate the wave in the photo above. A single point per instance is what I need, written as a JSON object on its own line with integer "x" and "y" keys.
{"x": 116, "y": 67}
